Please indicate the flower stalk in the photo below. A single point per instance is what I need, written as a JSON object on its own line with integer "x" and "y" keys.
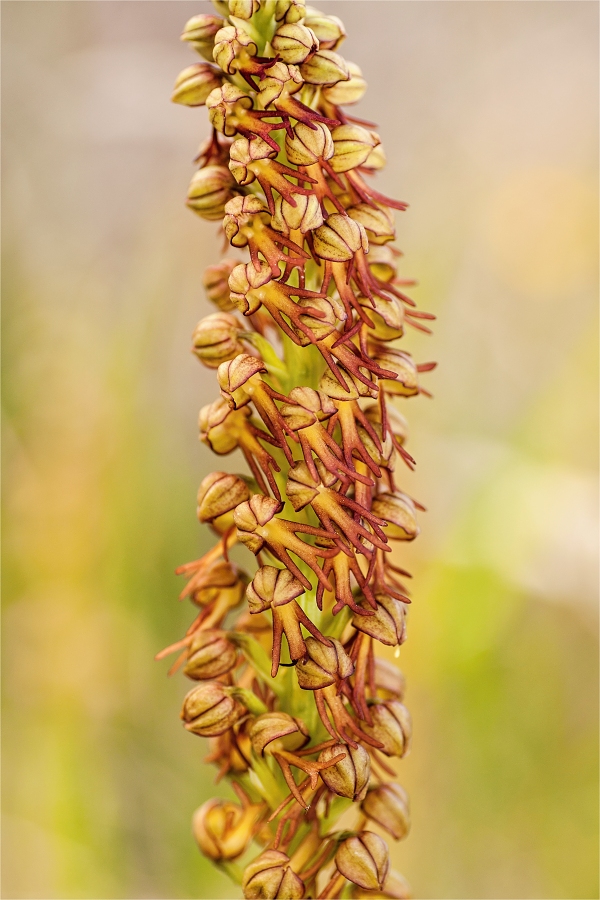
{"x": 300, "y": 711}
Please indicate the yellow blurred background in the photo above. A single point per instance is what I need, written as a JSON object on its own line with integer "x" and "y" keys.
{"x": 488, "y": 112}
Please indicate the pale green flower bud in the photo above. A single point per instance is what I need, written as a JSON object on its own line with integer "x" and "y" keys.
{"x": 210, "y": 655}
{"x": 290, "y": 11}
{"x": 339, "y": 238}
{"x": 270, "y": 877}
{"x": 364, "y": 860}
{"x": 388, "y": 625}
{"x": 350, "y": 776}
{"x": 194, "y": 84}
{"x": 378, "y": 222}
{"x": 325, "y": 68}
{"x": 308, "y": 145}
{"x": 294, "y": 43}
{"x": 305, "y": 216}
{"x": 216, "y": 283}
{"x": 323, "y": 665}
{"x": 210, "y": 189}
{"x": 277, "y": 731}
{"x": 272, "y": 587}
{"x": 223, "y": 829}
{"x": 219, "y": 493}
{"x": 229, "y": 41}
{"x": 200, "y": 32}
{"x": 398, "y": 510}
{"x": 352, "y": 145}
{"x": 216, "y": 339}
{"x": 210, "y": 710}
{"x": 391, "y": 726}
{"x": 388, "y": 805}
{"x": 345, "y": 93}
{"x": 329, "y": 30}
{"x": 243, "y": 9}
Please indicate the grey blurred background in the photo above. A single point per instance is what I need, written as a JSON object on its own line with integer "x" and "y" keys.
{"x": 488, "y": 112}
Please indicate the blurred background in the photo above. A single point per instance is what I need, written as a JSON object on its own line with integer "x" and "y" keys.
{"x": 488, "y": 112}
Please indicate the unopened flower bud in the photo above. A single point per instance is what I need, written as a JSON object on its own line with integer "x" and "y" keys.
{"x": 223, "y": 829}
{"x": 308, "y": 145}
{"x": 352, "y": 145}
{"x": 388, "y": 805}
{"x": 389, "y": 680}
{"x": 200, "y": 32}
{"x": 272, "y": 587}
{"x": 228, "y": 43}
{"x": 339, "y": 238}
{"x": 350, "y": 776}
{"x": 243, "y": 9}
{"x": 305, "y": 216}
{"x": 329, "y": 30}
{"x": 209, "y": 709}
{"x": 406, "y": 383}
{"x": 345, "y": 93}
{"x": 364, "y": 860}
{"x": 378, "y": 222}
{"x": 194, "y": 84}
{"x": 251, "y": 516}
{"x": 209, "y": 191}
{"x": 277, "y": 731}
{"x": 210, "y": 655}
{"x": 216, "y": 283}
{"x": 391, "y": 727}
{"x": 216, "y": 340}
{"x": 290, "y": 10}
{"x": 223, "y": 584}
{"x": 398, "y": 510}
{"x": 388, "y": 625}
{"x": 218, "y": 495}
{"x": 325, "y": 68}
{"x": 323, "y": 665}
{"x": 293, "y": 43}
{"x": 270, "y": 877}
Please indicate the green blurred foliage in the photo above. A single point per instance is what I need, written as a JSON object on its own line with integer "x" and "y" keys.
{"x": 490, "y": 123}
